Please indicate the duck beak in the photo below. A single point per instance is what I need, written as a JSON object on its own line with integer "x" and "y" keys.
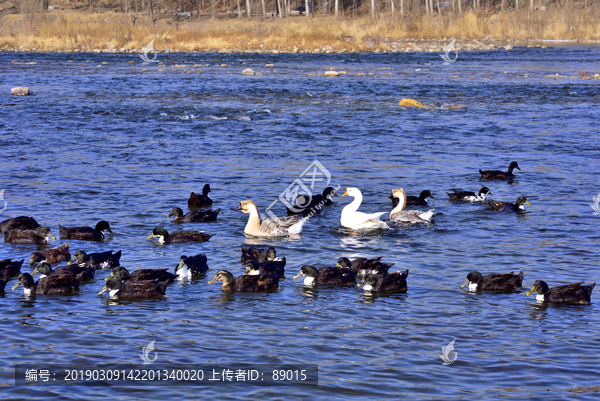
{"x": 527, "y": 203}
{"x": 297, "y": 275}
{"x": 359, "y": 284}
{"x": 334, "y": 193}
{"x": 34, "y": 272}
{"x": 465, "y": 283}
{"x": 151, "y": 236}
{"x": 109, "y": 230}
{"x": 490, "y": 194}
{"x": 70, "y": 262}
{"x": 52, "y": 236}
{"x": 432, "y": 197}
{"x": 211, "y": 281}
{"x": 103, "y": 290}
{"x": 238, "y": 208}
{"x": 31, "y": 262}
{"x": 346, "y": 193}
{"x": 17, "y": 284}
{"x": 109, "y": 276}
{"x": 531, "y": 291}
{"x": 518, "y": 168}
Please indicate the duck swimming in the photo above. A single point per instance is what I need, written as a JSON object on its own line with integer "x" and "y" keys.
{"x": 498, "y": 206}
{"x": 570, "y": 293}
{"x": 41, "y": 235}
{"x": 191, "y": 266}
{"x": 51, "y": 256}
{"x": 315, "y": 205}
{"x": 279, "y": 227}
{"x": 197, "y": 216}
{"x": 178, "y": 236}
{"x": 50, "y": 285}
{"x": 122, "y": 274}
{"x": 420, "y": 200}
{"x": 85, "y": 233}
{"x": 468, "y": 196}
{"x": 385, "y": 282}
{"x": 264, "y": 282}
{"x": 408, "y": 216}
{"x": 99, "y": 260}
{"x": 493, "y": 282}
{"x": 134, "y": 289}
{"x": 363, "y": 266}
{"x": 352, "y": 218}
{"x": 326, "y": 275}
{"x": 500, "y": 175}
{"x": 203, "y": 200}
{"x": 19, "y": 223}
{"x": 80, "y": 272}
{"x": 8, "y": 268}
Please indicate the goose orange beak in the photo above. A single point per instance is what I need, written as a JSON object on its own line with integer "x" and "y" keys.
{"x": 346, "y": 193}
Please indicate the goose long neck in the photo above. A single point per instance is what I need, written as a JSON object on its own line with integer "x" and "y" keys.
{"x": 355, "y": 204}
{"x": 253, "y": 220}
{"x": 401, "y": 203}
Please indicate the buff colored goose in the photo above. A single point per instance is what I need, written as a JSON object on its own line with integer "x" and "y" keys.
{"x": 279, "y": 227}
{"x": 408, "y": 216}
{"x": 352, "y": 218}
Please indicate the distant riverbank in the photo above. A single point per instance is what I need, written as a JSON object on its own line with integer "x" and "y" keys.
{"x": 72, "y": 31}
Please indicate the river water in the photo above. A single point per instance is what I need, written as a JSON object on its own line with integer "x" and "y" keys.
{"x": 119, "y": 144}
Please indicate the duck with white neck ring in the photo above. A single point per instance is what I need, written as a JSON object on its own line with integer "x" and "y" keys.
{"x": 408, "y": 216}
{"x": 279, "y": 227}
{"x": 386, "y": 282}
{"x": 352, "y": 218}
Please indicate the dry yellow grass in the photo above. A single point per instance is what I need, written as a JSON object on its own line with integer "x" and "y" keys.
{"x": 69, "y": 30}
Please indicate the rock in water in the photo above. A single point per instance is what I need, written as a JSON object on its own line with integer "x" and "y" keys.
{"x": 248, "y": 71}
{"x": 332, "y": 74}
{"x": 20, "y": 91}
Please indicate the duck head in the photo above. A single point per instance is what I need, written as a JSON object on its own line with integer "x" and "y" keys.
{"x": 26, "y": 280}
{"x": 44, "y": 269}
{"x": 307, "y": 271}
{"x": 79, "y": 257}
{"x": 271, "y": 254}
{"x": 521, "y": 200}
{"x": 224, "y": 276}
{"x": 251, "y": 269}
{"x": 484, "y": 191}
{"x": 44, "y": 231}
{"x": 540, "y": 286}
{"x": 206, "y": 190}
{"x": 112, "y": 286}
{"x": 177, "y": 212}
{"x": 102, "y": 226}
{"x": 159, "y": 233}
{"x": 472, "y": 278}
{"x": 344, "y": 262}
{"x": 118, "y": 272}
{"x": 36, "y": 258}
{"x": 329, "y": 192}
{"x": 512, "y": 166}
{"x": 425, "y": 194}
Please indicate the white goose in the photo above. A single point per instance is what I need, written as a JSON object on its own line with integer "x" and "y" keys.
{"x": 352, "y": 218}
{"x": 279, "y": 227}
{"x": 408, "y": 216}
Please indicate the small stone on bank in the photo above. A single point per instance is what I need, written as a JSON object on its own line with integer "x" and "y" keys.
{"x": 248, "y": 71}
{"x": 332, "y": 74}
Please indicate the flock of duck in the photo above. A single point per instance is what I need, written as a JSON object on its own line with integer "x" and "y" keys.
{"x": 263, "y": 269}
